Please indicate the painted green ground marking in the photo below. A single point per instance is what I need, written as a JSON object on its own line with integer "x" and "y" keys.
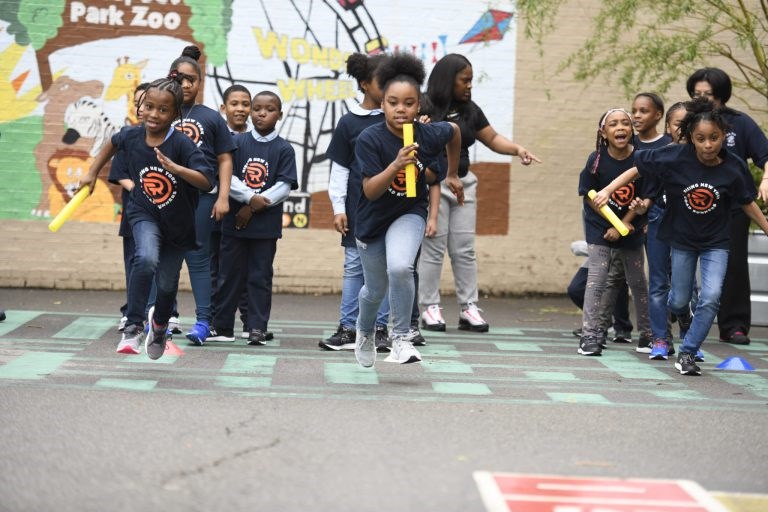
{"x": 349, "y": 373}
{"x": 579, "y": 398}
{"x": 16, "y": 319}
{"x": 33, "y": 365}
{"x": 512, "y": 331}
{"x": 231, "y": 381}
{"x": 249, "y": 363}
{"x": 129, "y": 384}
{"x": 680, "y": 394}
{"x": 551, "y": 376}
{"x": 750, "y": 381}
{"x": 86, "y": 328}
{"x": 461, "y": 388}
{"x": 754, "y": 347}
{"x": 629, "y": 367}
{"x": 439, "y": 350}
{"x": 447, "y": 367}
{"x": 140, "y": 358}
{"x": 519, "y": 346}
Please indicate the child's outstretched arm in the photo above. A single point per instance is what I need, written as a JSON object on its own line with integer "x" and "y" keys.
{"x": 500, "y": 144}
{"x": 191, "y": 176}
{"x": 625, "y": 178}
{"x": 434, "y": 208}
{"x": 107, "y": 151}
{"x": 221, "y": 206}
{"x": 754, "y": 213}
{"x": 453, "y": 150}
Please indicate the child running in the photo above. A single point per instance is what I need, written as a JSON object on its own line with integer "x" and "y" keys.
{"x": 390, "y": 225}
{"x": 613, "y": 155}
{"x": 167, "y": 170}
{"x": 344, "y": 191}
{"x": 702, "y": 181}
{"x": 266, "y": 164}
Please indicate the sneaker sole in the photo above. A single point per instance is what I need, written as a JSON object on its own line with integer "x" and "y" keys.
{"x": 585, "y": 353}
{"x": 128, "y": 350}
{"x": 690, "y": 372}
{"x": 466, "y": 326}
{"x": 643, "y": 350}
{"x": 383, "y": 349}
{"x": 433, "y": 327}
{"x": 346, "y": 346}
{"x": 221, "y": 338}
{"x": 257, "y": 343}
{"x": 658, "y": 357}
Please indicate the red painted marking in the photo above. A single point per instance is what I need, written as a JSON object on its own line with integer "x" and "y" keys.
{"x": 545, "y": 493}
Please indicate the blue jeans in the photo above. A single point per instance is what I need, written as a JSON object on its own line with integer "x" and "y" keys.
{"x": 152, "y": 259}
{"x": 713, "y": 264}
{"x": 388, "y": 264}
{"x": 351, "y": 283}
{"x": 199, "y": 260}
{"x": 658, "y": 275}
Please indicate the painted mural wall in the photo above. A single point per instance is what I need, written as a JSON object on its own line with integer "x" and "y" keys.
{"x": 68, "y": 70}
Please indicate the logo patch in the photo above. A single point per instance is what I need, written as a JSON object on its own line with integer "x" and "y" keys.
{"x": 701, "y": 198}
{"x": 624, "y": 196}
{"x": 158, "y": 185}
{"x": 397, "y": 187}
{"x": 192, "y": 129}
{"x": 255, "y": 173}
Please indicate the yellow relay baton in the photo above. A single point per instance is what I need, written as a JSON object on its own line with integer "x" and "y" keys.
{"x": 69, "y": 208}
{"x": 410, "y": 169}
{"x": 610, "y": 216}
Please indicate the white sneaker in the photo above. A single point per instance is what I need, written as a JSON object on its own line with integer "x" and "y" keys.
{"x": 121, "y": 323}
{"x": 470, "y": 319}
{"x": 131, "y": 340}
{"x": 365, "y": 349}
{"x": 403, "y": 351}
{"x": 432, "y": 318}
{"x": 245, "y": 334}
{"x": 173, "y": 325}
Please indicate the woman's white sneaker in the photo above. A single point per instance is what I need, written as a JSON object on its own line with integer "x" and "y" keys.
{"x": 403, "y": 351}
{"x": 470, "y": 319}
{"x": 432, "y": 319}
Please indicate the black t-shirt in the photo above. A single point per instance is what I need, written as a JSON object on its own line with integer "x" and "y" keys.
{"x": 653, "y": 188}
{"x": 468, "y": 132}
{"x": 117, "y": 172}
{"x": 376, "y": 148}
{"x": 699, "y": 197}
{"x": 208, "y": 130}
{"x": 342, "y": 151}
{"x": 159, "y": 196}
{"x": 745, "y": 139}
{"x": 595, "y": 225}
{"x": 259, "y": 165}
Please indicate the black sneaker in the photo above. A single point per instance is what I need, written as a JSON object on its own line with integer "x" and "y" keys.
{"x": 686, "y": 364}
{"x": 381, "y": 339}
{"x": 737, "y": 338}
{"x": 590, "y": 347}
{"x": 157, "y": 335}
{"x": 269, "y": 335}
{"x": 342, "y": 339}
{"x": 644, "y": 344}
{"x": 221, "y": 335}
{"x": 257, "y": 337}
{"x": 622, "y": 337}
{"x": 415, "y": 334}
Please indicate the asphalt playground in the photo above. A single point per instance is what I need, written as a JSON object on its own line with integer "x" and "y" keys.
{"x": 513, "y": 419}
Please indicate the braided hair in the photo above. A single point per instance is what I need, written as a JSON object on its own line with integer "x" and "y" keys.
{"x": 171, "y": 84}
{"x": 699, "y": 110}
{"x": 601, "y": 142}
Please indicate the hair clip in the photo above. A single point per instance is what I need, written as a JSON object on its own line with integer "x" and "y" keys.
{"x": 173, "y": 73}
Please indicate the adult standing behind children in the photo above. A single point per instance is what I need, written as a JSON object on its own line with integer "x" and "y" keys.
{"x": 206, "y": 128}
{"x": 745, "y": 139}
{"x": 449, "y": 98}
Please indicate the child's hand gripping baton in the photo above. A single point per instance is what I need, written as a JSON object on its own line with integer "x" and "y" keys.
{"x": 410, "y": 169}
{"x": 611, "y": 217}
{"x": 69, "y": 208}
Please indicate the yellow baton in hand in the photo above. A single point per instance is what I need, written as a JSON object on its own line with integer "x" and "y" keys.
{"x": 69, "y": 209}
{"x": 410, "y": 169}
{"x": 610, "y": 216}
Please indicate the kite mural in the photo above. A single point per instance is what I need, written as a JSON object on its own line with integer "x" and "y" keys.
{"x": 68, "y": 72}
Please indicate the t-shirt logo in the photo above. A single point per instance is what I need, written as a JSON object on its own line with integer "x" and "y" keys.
{"x": 192, "y": 129}
{"x": 730, "y": 139}
{"x": 255, "y": 173}
{"x": 158, "y": 185}
{"x": 624, "y": 196}
{"x": 701, "y": 198}
{"x": 397, "y": 187}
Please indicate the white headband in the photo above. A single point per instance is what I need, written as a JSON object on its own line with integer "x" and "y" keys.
{"x": 611, "y": 111}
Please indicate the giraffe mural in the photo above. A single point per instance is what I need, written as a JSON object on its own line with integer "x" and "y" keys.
{"x": 125, "y": 79}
